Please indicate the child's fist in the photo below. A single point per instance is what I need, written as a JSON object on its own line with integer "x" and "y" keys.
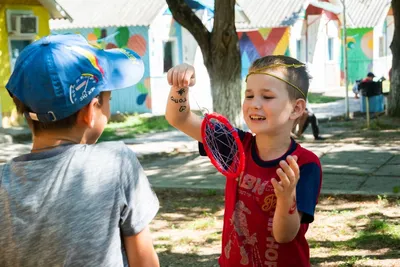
{"x": 181, "y": 76}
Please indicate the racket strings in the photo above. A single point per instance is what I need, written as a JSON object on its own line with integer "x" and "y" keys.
{"x": 222, "y": 145}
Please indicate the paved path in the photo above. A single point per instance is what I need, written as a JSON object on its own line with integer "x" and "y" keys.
{"x": 335, "y": 109}
{"x": 347, "y": 168}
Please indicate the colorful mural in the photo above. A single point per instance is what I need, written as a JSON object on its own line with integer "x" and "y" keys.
{"x": 261, "y": 43}
{"x": 360, "y": 46}
{"x": 137, "y": 98}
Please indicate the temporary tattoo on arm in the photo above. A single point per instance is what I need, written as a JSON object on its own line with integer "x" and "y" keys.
{"x": 182, "y": 108}
{"x": 182, "y": 100}
{"x": 293, "y": 209}
{"x": 181, "y": 91}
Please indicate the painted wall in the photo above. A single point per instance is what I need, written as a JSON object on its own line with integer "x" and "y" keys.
{"x": 136, "y": 98}
{"x": 313, "y": 35}
{"x": 6, "y": 104}
{"x": 360, "y": 52}
{"x": 260, "y": 43}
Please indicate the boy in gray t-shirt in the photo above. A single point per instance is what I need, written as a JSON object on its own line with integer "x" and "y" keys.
{"x": 72, "y": 202}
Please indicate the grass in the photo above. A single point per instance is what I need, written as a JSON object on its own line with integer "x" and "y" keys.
{"x": 134, "y": 125}
{"x": 376, "y": 234}
{"x": 382, "y": 129}
{"x": 202, "y": 224}
{"x": 318, "y": 98}
{"x": 347, "y": 231}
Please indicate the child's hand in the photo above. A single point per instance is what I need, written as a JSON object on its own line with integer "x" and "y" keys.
{"x": 289, "y": 175}
{"x": 182, "y": 76}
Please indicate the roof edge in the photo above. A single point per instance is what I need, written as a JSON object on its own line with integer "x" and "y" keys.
{"x": 56, "y": 11}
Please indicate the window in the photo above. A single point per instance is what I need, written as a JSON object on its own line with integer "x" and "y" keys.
{"x": 298, "y": 50}
{"x": 382, "y": 46}
{"x": 16, "y": 46}
{"x": 383, "y": 41}
{"x": 168, "y": 55}
{"x": 21, "y": 22}
{"x": 331, "y": 42}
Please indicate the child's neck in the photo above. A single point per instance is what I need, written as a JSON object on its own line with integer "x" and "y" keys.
{"x": 48, "y": 140}
{"x": 272, "y": 146}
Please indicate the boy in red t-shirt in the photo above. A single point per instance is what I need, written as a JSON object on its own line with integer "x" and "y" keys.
{"x": 268, "y": 211}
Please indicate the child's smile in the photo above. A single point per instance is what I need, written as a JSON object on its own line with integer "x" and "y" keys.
{"x": 257, "y": 118}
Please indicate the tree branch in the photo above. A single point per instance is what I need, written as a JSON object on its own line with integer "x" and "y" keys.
{"x": 188, "y": 19}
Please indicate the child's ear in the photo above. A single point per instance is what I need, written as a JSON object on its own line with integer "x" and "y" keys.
{"x": 298, "y": 109}
{"x": 87, "y": 114}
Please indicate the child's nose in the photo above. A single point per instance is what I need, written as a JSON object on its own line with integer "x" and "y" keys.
{"x": 256, "y": 104}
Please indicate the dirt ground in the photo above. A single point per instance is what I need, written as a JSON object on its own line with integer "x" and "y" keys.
{"x": 347, "y": 231}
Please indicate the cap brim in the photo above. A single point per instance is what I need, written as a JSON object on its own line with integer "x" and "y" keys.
{"x": 124, "y": 68}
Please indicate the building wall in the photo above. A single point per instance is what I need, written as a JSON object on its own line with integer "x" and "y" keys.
{"x": 360, "y": 53}
{"x": 163, "y": 29}
{"x": 383, "y": 36}
{"x": 298, "y": 37}
{"x": 263, "y": 42}
{"x": 6, "y": 104}
{"x": 313, "y": 34}
{"x": 136, "y": 98}
{"x": 325, "y": 71}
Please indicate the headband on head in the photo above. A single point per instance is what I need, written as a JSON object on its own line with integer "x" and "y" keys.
{"x": 261, "y": 71}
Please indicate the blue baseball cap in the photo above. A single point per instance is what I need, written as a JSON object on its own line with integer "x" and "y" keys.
{"x": 58, "y": 75}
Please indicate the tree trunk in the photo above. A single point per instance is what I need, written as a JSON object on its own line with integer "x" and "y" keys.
{"x": 221, "y": 53}
{"x": 394, "y": 95}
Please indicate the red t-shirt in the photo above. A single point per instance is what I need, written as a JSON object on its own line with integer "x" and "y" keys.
{"x": 250, "y": 206}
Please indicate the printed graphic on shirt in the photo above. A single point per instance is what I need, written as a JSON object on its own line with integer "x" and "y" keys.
{"x": 241, "y": 235}
{"x": 250, "y": 231}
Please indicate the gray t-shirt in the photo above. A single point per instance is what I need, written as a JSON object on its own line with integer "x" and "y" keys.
{"x": 70, "y": 205}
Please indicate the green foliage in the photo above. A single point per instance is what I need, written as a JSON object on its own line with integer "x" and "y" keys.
{"x": 377, "y": 225}
{"x": 350, "y": 262}
{"x": 211, "y": 192}
{"x": 396, "y": 189}
{"x": 134, "y": 125}
{"x": 316, "y": 98}
{"x": 377, "y": 124}
{"x": 377, "y": 233}
{"x": 382, "y": 199}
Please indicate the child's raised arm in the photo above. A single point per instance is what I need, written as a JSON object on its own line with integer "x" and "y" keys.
{"x": 178, "y": 112}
